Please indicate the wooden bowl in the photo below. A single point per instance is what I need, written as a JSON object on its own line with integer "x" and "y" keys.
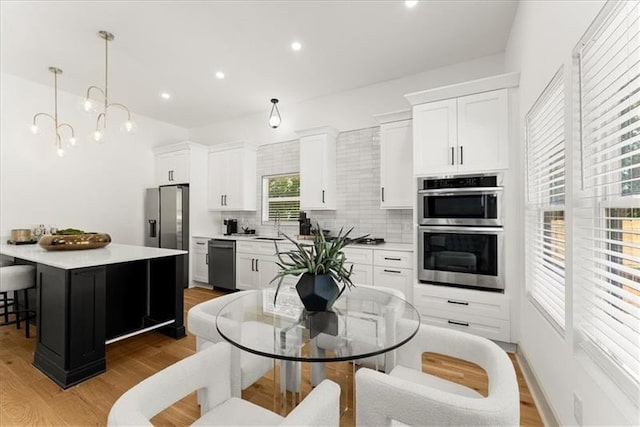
{"x": 74, "y": 242}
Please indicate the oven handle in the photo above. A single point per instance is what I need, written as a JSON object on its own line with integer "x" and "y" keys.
{"x": 462, "y": 191}
{"x": 476, "y": 230}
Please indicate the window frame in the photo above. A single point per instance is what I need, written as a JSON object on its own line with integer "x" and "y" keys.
{"x": 264, "y": 216}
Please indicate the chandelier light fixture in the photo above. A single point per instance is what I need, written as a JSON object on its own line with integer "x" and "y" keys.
{"x": 274, "y": 117}
{"x": 91, "y": 105}
{"x": 58, "y": 126}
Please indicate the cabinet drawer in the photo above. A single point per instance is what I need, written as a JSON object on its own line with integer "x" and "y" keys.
{"x": 462, "y": 301}
{"x": 393, "y": 259}
{"x": 359, "y": 256}
{"x": 200, "y": 245}
{"x": 494, "y": 329}
{"x": 258, "y": 248}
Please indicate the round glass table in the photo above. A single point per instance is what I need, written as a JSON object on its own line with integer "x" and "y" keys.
{"x": 364, "y": 326}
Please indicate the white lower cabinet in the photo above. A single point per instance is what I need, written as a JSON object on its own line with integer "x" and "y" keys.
{"x": 256, "y": 264}
{"x": 477, "y": 312}
{"x": 378, "y": 267}
{"x": 200, "y": 260}
{"x": 399, "y": 279}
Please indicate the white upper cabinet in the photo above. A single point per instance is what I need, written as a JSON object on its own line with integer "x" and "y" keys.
{"x": 463, "y": 127}
{"x": 172, "y": 167}
{"x": 318, "y": 169}
{"x": 232, "y": 178}
{"x": 465, "y": 134}
{"x": 483, "y": 131}
{"x": 396, "y": 171}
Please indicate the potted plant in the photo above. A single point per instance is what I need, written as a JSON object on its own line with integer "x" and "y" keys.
{"x": 320, "y": 266}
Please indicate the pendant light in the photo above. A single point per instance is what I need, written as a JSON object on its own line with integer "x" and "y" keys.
{"x": 58, "y": 126}
{"x": 274, "y": 117}
{"x": 90, "y": 104}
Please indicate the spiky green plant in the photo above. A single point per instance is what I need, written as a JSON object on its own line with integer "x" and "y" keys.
{"x": 320, "y": 257}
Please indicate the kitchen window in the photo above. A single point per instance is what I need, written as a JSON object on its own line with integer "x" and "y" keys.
{"x": 281, "y": 197}
{"x": 545, "y": 223}
{"x": 608, "y": 212}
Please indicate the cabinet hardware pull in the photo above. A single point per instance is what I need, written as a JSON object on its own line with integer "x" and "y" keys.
{"x": 206, "y": 259}
{"x": 257, "y": 267}
{"x": 383, "y": 194}
{"x": 458, "y": 323}
{"x": 457, "y": 302}
{"x": 168, "y": 175}
{"x": 461, "y": 156}
{"x": 221, "y": 200}
{"x": 199, "y": 243}
{"x": 393, "y": 259}
{"x": 392, "y": 271}
{"x": 225, "y": 200}
{"x": 322, "y": 196}
{"x": 252, "y": 261}
{"x": 452, "y": 156}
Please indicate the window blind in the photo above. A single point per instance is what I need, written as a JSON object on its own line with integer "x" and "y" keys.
{"x": 281, "y": 196}
{"x": 608, "y": 213}
{"x": 545, "y": 225}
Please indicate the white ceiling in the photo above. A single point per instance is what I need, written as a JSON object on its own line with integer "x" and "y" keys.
{"x": 178, "y": 46}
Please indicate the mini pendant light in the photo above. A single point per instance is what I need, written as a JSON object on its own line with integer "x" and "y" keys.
{"x": 274, "y": 117}
{"x": 58, "y": 126}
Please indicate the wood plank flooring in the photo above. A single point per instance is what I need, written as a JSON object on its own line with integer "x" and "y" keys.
{"x": 28, "y": 397}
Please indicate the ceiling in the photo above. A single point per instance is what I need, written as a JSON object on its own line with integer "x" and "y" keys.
{"x": 177, "y": 47}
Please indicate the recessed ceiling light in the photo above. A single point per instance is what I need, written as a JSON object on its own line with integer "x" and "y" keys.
{"x": 411, "y": 3}
{"x": 165, "y": 95}
{"x": 220, "y": 75}
{"x": 296, "y": 46}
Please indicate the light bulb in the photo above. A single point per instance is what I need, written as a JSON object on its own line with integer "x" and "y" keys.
{"x": 98, "y": 135}
{"x": 73, "y": 141}
{"x": 88, "y": 105}
{"x": 60, "y": 152}
{"x": 274, "y": 121}
{"x": 35, "y": 129}
{"x": 129, "y": 127}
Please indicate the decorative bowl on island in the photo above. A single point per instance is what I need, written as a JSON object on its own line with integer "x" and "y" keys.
{"x": 71, "y": 239}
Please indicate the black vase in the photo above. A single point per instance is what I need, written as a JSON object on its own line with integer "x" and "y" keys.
{"x": 317, "y": 292}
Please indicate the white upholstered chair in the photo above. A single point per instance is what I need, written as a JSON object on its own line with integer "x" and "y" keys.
{"x": 16, "y": 279}
{"x": 246, "y": 368}
{"x": 413, "y": 397}
{"x": 209, "y": 370}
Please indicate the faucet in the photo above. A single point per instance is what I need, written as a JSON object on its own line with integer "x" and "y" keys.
{"x": 276, "y": 223}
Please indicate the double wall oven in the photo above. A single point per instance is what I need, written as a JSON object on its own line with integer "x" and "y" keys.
{"x": 460, "y": 234}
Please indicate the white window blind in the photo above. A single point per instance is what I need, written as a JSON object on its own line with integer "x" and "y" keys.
{"x": 545, "y": 225}
{"x": 281, "y": 198}
{"x": 608, "y": 213}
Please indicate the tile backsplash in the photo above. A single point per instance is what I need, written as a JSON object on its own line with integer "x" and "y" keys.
{"x": 358, "y": 189}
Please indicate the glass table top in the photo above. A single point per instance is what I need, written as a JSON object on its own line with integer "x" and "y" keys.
{"x": 362, "y": 323}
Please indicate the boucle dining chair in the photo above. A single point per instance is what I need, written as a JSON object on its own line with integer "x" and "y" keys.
{"x": 246, "y": 368}
{"x": 16, "y": 279}
{"x": 209, "y": 370}
{"x": 412, "y": 397}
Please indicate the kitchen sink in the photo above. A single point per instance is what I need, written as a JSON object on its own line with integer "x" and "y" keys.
{"x": 268, "y": 238}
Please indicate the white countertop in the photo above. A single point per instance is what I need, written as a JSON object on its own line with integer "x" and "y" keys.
{"x": 112, "y": 254}
{"x": 387, "y": 246}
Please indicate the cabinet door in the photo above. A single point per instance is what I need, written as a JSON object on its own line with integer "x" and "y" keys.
{"x": 434, "y": 137}
{"x": 396, "y": 278}
{"x": 482, "y": 131}
{"x": 180, "y": 167}
{"x": 311, "y": 172}
{"x": 200, "y": 266}
{"x": 362, "y": 274}
{"x": 267, "y": 270}
{"x": 246, "y": 274}
{"x": 164, "y": 165}
{"x": 396, "y": 168}
{"x": 231, "y": 177}
{"x": 217, "y": 170}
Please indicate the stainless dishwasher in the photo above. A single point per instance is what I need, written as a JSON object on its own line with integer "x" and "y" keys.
{"x": 222, "y": 263}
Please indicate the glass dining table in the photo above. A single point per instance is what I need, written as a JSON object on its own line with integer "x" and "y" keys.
{"x": 360, "y": 329}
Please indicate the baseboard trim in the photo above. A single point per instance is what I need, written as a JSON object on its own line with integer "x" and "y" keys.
{"x": 549, "y": 418}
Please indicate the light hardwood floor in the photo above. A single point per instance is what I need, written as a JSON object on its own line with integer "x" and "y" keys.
{"x": 28, "y": 397}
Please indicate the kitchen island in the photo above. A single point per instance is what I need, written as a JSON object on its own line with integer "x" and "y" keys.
{"x": 87, "y": 299}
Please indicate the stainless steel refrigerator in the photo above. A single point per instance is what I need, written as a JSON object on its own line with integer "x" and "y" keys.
{"x": 167, "y": 220}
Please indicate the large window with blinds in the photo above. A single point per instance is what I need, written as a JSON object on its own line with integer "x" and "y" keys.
{"x": 608, "y": 212}
{"x": 281, "y": 197}
{"x": 545, "y": 223}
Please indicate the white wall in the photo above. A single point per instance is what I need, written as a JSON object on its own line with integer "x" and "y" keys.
{"x": 543, "y": 36}
{"x": 344, "y": 111}
{"x": 95, "y": 187}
